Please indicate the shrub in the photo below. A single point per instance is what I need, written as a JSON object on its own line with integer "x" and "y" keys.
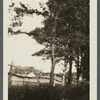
{"x": 46, "y": 92}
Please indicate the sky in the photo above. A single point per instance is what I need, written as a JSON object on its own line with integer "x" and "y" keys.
{"x": 21, "y": 47}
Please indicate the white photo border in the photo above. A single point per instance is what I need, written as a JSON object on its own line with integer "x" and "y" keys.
{"x": 93, "y": 50}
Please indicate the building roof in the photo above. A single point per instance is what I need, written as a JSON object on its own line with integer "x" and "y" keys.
{"x": 31, "y": 74}
{"x": 31, "y": 77}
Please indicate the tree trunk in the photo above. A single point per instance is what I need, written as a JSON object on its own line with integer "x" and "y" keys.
{"x": 81, "y": 67}
{"x": 70, "y": 71}
{"x": 64, "y": 75}
{"x": 53, "y": 52}
{"x": 52, "y": 66}
{"x": 78, "y": 69}
{"x": 65, "y": 64}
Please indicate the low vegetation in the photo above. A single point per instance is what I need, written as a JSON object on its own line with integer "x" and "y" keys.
{"x": 46, "y": 92}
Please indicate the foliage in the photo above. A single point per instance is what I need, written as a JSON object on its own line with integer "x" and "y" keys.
{"x": 46, "y": 92}
{"x": 25, "y": 70}
{"x": 65, "y": 33}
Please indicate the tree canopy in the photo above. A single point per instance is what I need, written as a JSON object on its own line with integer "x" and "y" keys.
{"x": 65, "y": 33}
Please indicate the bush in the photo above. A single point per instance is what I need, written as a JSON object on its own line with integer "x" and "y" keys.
{"x": 46, "y": 92}
{"x": 75, "y": 93}
{"x": 34, "y": 92}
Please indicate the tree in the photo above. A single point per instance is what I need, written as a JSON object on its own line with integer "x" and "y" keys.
{"x": 65, "y": 30}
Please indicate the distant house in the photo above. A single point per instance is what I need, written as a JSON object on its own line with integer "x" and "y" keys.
{"x": 30, "y": 79}
{"x": 31, "y": 74}
{"x": 21, "y": 80}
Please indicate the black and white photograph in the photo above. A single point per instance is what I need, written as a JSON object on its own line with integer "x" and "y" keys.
{"x": 47, "y": 50}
